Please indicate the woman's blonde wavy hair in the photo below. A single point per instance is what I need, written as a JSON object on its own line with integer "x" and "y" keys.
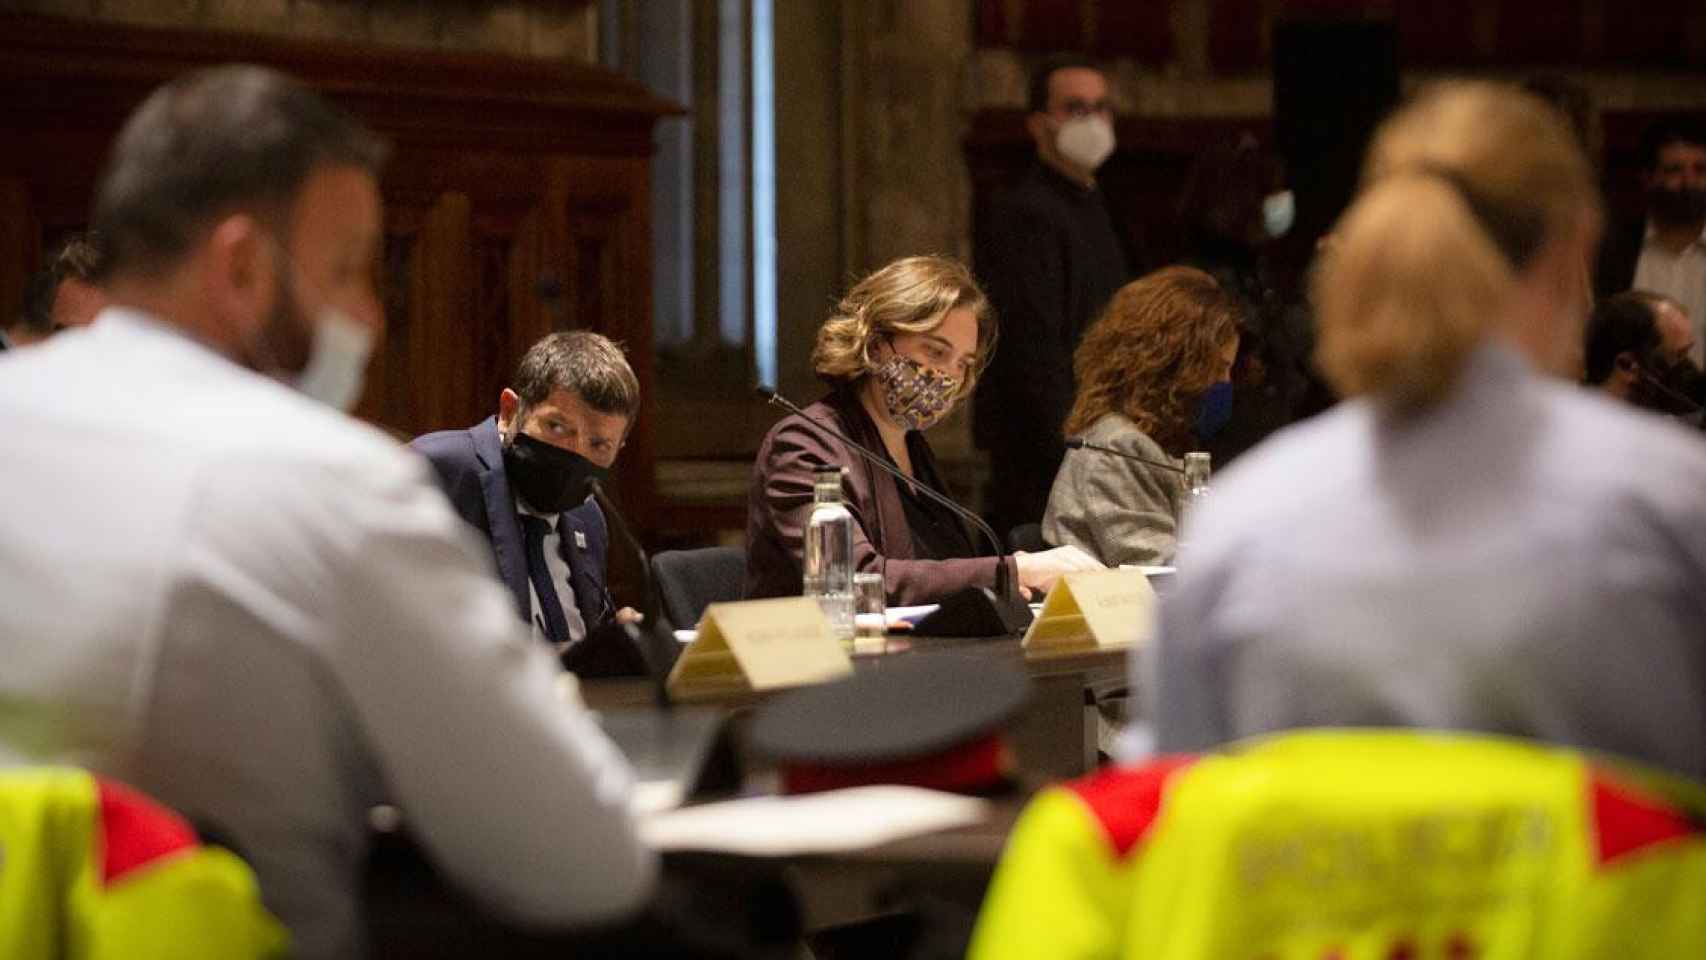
{"x": 1158, "y": 345}
{"x": 909, "y": 295}
{"x": 1462, "y": 189}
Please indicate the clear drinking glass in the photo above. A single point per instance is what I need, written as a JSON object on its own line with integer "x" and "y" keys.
{"x": 869, "y": 610}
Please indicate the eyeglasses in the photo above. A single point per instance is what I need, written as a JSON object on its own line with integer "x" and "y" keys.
{"x": 1077, "y": 109}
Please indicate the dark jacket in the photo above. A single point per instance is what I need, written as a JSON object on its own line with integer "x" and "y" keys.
{"x": 1619, "y": 252}
{"x": 1049, "y": 257}
{"x": 780, "y": 503}
{"x": 470, "y": 468}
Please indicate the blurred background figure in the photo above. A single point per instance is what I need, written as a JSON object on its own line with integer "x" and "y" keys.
{"x": 1154, "y": 381}
{"x": 65, "y": 293}
{"x": 1234, "y": 213}
{"x": 1452, "y": 546}
{"x": 1665, "y": 252}
{"x": 1640, "y": 349}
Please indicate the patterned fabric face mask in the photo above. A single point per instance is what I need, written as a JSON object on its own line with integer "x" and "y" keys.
{"x": 915, "y": 396}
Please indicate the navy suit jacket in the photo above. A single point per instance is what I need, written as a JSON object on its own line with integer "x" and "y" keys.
{"x": 470, "y": 468}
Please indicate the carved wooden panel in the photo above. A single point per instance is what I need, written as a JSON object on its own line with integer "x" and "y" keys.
{"x": 516, "y": 198}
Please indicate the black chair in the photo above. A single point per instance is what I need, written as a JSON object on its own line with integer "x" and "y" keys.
{"x": 688, "y": 581}
{"x": 1027, "y": 537}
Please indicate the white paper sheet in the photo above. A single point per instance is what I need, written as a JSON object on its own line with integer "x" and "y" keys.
{"x": 910, "y": 614}
{"x": 835, "y": 821}
{"x": 1148, "y": 571}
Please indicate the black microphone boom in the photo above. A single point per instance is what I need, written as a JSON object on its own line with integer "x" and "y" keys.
{"x": 972, "y": 612}
{"x": 627, "y": 649}
{"x": 1079, "y": 443}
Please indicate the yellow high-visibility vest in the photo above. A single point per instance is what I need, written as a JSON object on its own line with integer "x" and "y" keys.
{"x": 92, "y": 870}
{"x": 1356, "y": 845}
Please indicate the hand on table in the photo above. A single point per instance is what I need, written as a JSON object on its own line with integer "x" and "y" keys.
{"x": 1039, "y": 571}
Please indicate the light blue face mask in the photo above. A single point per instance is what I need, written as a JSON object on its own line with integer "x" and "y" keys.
{"x": 1214, "y": 410}
{"x": 1279, "y": 212}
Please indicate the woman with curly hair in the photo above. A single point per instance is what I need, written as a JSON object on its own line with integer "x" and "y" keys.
{"x": 1153, "y": 380}
{"x": 903, "y": 347}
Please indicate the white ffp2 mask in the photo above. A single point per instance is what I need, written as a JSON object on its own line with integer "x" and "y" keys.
{"x": 337, "y": 360}
{"x": 1086, "y": 141}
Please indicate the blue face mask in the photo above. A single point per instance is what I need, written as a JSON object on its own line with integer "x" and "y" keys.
{"x": 1279, "y": 212}
{"x": 1214, "y": 410}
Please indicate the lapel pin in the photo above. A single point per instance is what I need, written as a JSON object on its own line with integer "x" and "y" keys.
{"x": 580, "y": 539}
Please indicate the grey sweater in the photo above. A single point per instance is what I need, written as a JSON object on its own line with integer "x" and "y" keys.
{"x": 1117, "y": 510}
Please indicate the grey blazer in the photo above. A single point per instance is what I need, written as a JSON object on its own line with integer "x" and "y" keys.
{"x": 1117, "y": 510}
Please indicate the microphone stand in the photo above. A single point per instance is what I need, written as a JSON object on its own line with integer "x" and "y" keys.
{"x": 1079, "y": 443}
{"x": 971, "y": 612}
{"x": 627, "y": 649}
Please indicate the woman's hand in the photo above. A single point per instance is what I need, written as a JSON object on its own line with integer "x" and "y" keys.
{"x": 1039, "y": 571}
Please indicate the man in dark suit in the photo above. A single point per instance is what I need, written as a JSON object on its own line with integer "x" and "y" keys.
{"x": 520, "y": 478}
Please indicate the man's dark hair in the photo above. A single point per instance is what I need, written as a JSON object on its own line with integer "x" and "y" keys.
{"x": 211, "y": 143}
{"x": 1624, "y": 323}
{"x": 1040, "y": 77}
{"x": 1668, "y": 130}
{"x": 588, "y": 364}
{"x": 81, "y": 257}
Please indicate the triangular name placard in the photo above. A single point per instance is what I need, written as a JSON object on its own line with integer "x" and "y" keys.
{"x": 1098, "y": 610}
{"x": 758, "y": 645}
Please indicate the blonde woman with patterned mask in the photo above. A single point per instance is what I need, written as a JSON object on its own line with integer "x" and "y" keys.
{"x": 1468, "y": 542}
{"x": 903, "y": 348}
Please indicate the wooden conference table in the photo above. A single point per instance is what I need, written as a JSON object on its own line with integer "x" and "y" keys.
{"x": 415, "y": 915}
{"x": 1053, "y": 736}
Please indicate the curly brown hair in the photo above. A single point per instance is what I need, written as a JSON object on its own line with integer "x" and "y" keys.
{"x": 1156, "y": 348}
{"x": 909, "y": 295}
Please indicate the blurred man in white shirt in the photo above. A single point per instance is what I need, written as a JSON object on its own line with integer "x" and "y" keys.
{"x": 253, "y": 607}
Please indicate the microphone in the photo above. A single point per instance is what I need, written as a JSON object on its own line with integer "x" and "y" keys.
{"x": 627, "y": 649}
{"x": 1079, "y": 443}
{"x": 972, "y": 612}
{"x": 1689, "y": 406}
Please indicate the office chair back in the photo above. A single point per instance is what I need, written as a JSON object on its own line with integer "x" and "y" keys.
{"x": 688, "y": 581}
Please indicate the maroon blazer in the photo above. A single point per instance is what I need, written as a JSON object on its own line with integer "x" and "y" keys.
{"x": 781, "y": 501}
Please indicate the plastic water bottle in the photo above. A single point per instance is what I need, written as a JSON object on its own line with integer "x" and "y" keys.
{"x": 1196, "y": 478}
{"x": 1196, "y": 492}
{"x": 828, "y": 560}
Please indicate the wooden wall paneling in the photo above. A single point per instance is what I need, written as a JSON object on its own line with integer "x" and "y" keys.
{"x": 440, "y": 359}
{"x": 20, "y": 239}
{"x": 505, "y": 174}
{"x": 1141, "y": 31}
{"x": 608, "y": 287}
{"x": 1237, "y": 30}
{"x": 1540, "y": 31}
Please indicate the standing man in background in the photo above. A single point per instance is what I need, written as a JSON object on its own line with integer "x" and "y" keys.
{"x": 1050, "y": 259}
{"x": 1665, "y": 253}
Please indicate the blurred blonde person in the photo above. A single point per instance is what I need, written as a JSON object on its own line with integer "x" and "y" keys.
{"x": 1465, "y": 543}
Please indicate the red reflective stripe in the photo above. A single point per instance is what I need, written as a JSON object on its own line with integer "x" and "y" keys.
{"x": 1127, "y": 800}
{"x": 969, "y": 768}
{"x": 136, "y": 831}
{"x": 1627, "y": 820}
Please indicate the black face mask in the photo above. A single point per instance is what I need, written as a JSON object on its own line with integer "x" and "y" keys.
{"x": 549, "y": 479}
{"x": 1683, "y": 206}
{"x": 1676, "y": 387}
